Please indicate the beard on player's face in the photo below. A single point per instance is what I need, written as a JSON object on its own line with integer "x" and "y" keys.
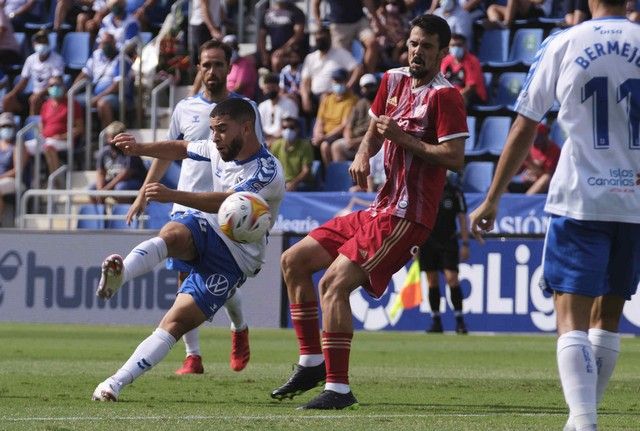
{"x": 232, "y": 150}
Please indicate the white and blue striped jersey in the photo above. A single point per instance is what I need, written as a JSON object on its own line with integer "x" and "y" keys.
{"x": 593, "y": 70}
{"x": 262, "y": 174}
{"x": 190, "y": 122}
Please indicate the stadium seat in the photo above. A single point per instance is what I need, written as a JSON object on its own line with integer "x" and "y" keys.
{"x": 158, "y": 214}
{"x": 31, "y": 134}
{"x": 525, "y": 45}
{"x": 557, "y": 134}
{"x": 471, "y": 140}
{"x": 120, "y": 210}
{"x": 93, "y": 210}
{"x": 492, "y": 136}
{"x": 494, "y": 46}
{"x": 477, "y": 177}
{"x": 337, "y": 178}
{"x": 509, "y": 86}
{"x": 357, "y": 50}
{"x": 75, "y": 50}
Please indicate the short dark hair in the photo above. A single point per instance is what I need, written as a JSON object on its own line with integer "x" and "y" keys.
{"x": 216, "y": 44}
{"x": 458, "y": 36}
{"x": 235, "y": 107}
{"x": 614, "y": 2}
{"x": 432, "y": 24}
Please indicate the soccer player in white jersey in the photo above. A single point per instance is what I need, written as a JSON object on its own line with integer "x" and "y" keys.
{"x": 190, "y": 121}
{"x": 239, "y": 162}
{"x": 592, "y": 250}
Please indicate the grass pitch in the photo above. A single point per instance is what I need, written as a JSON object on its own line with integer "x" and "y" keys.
{"x": 404, "y": 381}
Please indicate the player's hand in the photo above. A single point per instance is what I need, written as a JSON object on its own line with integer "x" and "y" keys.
{"x": 137, "y": 207}
{"x": 158, "y": 192}
{"x": 127, "y": 144}
{"x": 388, "y": 128}
{"x": 482, "y": 219}
{"x": 359, "y": 170}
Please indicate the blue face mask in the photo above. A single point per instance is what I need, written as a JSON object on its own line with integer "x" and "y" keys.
{"x": 338, "y": 88}
{"x": 55, "y": 91}
{"x": 457, "y": 51}
{"x": 289, "y": 135}
{"x": 7, "y": 133}
{"x": 41, "y": 48}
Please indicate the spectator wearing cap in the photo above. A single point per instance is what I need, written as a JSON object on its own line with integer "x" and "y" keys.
{"x": 283, "y": 24}
{"x": 318, "y": 66}
{"x": 20, "y": 12}
{"x": 9, "y": 48}
{"x": 274, "y": 108}
{"x": 243, "y": 75}
{"x": 8, "y": 157}
{"x": 346, "y": 147}
{"x": 115, "y": 170}
{"x": 463, "y": 70}
{"x": 333, "y": 115}
{"x": 37, "y": 69}
{"x": 120, "y": 24}
{"x": 295, "y": 154}
{"x": 205, "y": 22}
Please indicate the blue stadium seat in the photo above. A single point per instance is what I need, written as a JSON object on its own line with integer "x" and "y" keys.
{"x": 158, "y": 214}
{"x": 492, "y": 136}
{"x": 523, "y": 49}
{"x": 94, "y": 210}
{"x": 471, "y": 140}
{"x": 337, "y": 178}
{"x": 76, "y": 50}
{"x": 31, "y": 134}
{"x": 508, "y": 89}
{"x": 557, "y": 134}
{"x": 120, "y": 210}
{"x": 357, "y": 50}
{"x": 494, "y": 46}
{"x": 477, "y": 177}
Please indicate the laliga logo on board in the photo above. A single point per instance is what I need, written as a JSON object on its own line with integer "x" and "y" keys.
{"x": 9, "y": 266}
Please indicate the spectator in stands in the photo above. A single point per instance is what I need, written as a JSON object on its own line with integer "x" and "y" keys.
{"x": 463, "y": 70}
{"x": 392, "y": 36}
{"x": 90, "y": 21}
{"x": 457, "y": 17}
{"x": 206, "y": 22}
{"x": 103, "y": 69}
{"x": 243, "y": 76}
{"x": 124, "y": 27}
{"x": 346, "y": 147}
{"x": 38, "y": 68}
{"x": 284, "y": 24}
{"x": 333, "y": 114}
{"x": 67, "y": 11}
{"x": 633, "y": 10}
{"x": 149, "y": 11}
{"x": 9, "y": 48}
{"x": 115, "y": 170}
{"x": 21, "y": 12}
{"x": 515, "y": 9}
{"x": 318, "y": 67}
{"x": 8, "y": 158}
{"x": 296, "y": 155}
{"x": 54, "y": 115}
{"x": 348, "y": 22}
{"x": 537, "y": 170}
{"x": 291, "y": 74}
{"x": 577, "y": 11}
{"x": 274, "y": 108}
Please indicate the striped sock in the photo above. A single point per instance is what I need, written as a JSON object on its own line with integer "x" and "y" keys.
{"x": 304, "y": 318}
{"x": 337, "y": 347}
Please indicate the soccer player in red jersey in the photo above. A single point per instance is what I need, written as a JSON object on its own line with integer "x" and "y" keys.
{"x": 420, "y": 119}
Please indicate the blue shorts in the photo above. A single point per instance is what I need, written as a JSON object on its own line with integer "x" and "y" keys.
{"x": 173, "y": 264}
{"x": 215, "y": 275}
{"x": 591, "y": 258}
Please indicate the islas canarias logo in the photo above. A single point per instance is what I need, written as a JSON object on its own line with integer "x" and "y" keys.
{"x": 10, "y": 263}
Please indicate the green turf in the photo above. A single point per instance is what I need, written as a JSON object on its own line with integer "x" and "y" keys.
{"x": 404, "y": 381}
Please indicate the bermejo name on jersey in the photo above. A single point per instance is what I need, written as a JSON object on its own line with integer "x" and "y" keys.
{"x": 260, "y": 174}
{"x": 190, "y": 121}
{"x": 593, "y": 69}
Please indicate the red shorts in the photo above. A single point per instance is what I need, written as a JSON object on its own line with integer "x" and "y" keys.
{"x": 381, "y": 244}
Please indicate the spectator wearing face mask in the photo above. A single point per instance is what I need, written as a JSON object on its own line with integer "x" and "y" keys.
{"x": 274, "y": 108}
{"x": 53, "y": 116}
{"x": 38, "y": 68}
{"x": 457, "y": 17}
{"x": 8, "y": 158}
{"x": 243, "y": 75}
{"x": 463, "y": 70}
{"x": 346, "y": 147}
{"x": 333, "y": 115}
{"x": 295, "y": 154}
{"x": 118, "y": 23}
{"x": 392, "y": 35}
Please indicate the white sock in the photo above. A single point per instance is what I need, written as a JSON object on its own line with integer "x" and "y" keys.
{"x": 143, "y": 258}
{"x": 340, "y": 388}
{"x": 192, "y": 342}
{"x": 148, "y": 353}
{"x": 606, "y": 348}
{"x": 578, "y": 375}
{"x": 311, "y": 360}
{"x": 233, "y": 307}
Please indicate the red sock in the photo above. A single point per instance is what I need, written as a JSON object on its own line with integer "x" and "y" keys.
{"x": 336, "y": 347}
{"x": 304, "y": 318}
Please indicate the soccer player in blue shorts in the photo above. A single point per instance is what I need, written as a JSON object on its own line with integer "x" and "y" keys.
{"x": 190, "y": 122}
{"x": 219, "y": 265}
{"x": 591, "y": 259}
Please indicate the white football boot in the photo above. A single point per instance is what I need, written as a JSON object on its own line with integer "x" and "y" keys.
{"x": 107, "y": 391}
{"x": 111, "y": 279}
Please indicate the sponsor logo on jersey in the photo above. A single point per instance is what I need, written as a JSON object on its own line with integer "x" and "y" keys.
{"x": 393, "y": 101}
{"x": 217, "y": 284}
{"x": 196, "y": 118}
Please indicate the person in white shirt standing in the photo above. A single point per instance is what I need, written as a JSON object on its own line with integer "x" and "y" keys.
{"x": 205, "y": 22}
{"x": 591, "y": 259}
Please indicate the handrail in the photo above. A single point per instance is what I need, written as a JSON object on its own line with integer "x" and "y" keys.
{"x": 168, "y": 82}
{"x": 50, "y": 185}
{"x": 101, "y": 139}
{"x": 241, "y": 21}
{"x": 260, "y": 8}
{"x": 75, "y": 88}
{"x": 20, "y": 151}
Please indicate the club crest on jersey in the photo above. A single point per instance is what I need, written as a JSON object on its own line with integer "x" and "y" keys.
{"x": 196, "y": 118}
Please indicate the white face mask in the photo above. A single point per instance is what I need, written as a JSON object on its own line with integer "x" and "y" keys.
{"x": 457, "y": 52}
{"x": 448, "y": 5}
{"x": 41, "y": 48}
{"x": 289, "y": 135}
{"x": 7, "y": 133}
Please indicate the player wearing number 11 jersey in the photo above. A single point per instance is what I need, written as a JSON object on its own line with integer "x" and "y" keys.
{"x": 592, "y": 251}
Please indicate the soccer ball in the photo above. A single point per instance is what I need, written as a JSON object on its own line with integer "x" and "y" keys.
{"x": 244, "y": 217}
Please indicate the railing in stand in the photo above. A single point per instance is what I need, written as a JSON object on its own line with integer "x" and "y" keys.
{"x": 19, "y": 168}
{"x": 50, "y": 186}
{"x": 168, "y": 82}
{"x": 75, "y": 89}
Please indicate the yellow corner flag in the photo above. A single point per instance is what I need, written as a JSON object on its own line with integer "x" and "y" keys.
{"x": 411, "y": 294}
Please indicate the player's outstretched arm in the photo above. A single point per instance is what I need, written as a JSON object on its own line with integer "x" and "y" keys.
{"x": 515, "y": 152}
{"x": 167, "y": 150}
{"x": 208, "y": 202}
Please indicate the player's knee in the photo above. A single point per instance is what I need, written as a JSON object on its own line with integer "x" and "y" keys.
{"x": 175, "y": 235}
{"x": 290, "y": 261}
